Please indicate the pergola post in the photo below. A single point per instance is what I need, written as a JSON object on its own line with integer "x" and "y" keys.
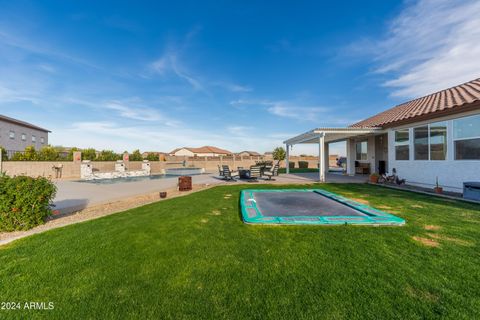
{"x": 321, "y": 157}
{"x": 287, "y": 158}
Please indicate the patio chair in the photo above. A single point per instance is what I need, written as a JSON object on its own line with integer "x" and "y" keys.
{"x": 220, "y": 171}
{"x": 272, "y": 172}
{"x": 255, "y": 173}
{"x": 228, "y": 174}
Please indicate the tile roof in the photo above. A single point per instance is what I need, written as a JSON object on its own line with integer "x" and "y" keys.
{"x": 456, "y": 99}
{"x": 22, "y": 123}
{"x": 204, "y": 149}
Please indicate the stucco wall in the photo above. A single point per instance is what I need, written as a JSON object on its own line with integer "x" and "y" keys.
{"x": 17, "y": 144}
{"x": 451, "y": 173}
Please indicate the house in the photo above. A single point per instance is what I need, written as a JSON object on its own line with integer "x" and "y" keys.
{"x": 16, "y": 135}
{"x": 205, "y": 151}
{"x": 435, "y": 136}
{"x": 248, "y": 154}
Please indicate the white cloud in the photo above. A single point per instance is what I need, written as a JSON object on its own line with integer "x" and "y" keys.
{"x": 296, "y": 111}
{"x": 170, "y": 63}
{"x": 134, "y": 113}
{"x": 431, "y": 45}
{"x": 120, "y": 137}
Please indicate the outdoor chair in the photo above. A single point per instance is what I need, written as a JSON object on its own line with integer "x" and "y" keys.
{"x": 228, "y": 174}
{"x": 220, "y": 171}
{"x": 272, "y": 172}
{"x": 255, "y": 173}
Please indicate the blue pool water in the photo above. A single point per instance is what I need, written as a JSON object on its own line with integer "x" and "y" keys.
{"x": 130, "y": 179}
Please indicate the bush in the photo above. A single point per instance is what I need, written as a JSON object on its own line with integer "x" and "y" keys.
{"x": 108, "y": 155}
{"x": 291, "y": 164}
{"x": 48, "y": 153}
{"x": 153, "y": 157}
{"x": 88, "y": 154}
{"x": 4, "y": 154}
{"x": 136, "y": 156}
{"x": 303, "y": 164}
{"x": 24, "y": 202}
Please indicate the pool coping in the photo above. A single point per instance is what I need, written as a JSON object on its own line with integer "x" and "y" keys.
{"x": 373, "y": 217}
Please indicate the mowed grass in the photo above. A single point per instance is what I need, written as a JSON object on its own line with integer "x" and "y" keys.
{"x": 193, "y": 258}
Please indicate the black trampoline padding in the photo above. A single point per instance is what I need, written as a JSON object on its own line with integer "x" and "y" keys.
{"x": 292, "y": 204}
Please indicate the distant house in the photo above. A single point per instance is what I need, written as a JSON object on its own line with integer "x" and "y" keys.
{"x": 16, "y": 135}
{"x": 429, "y": 139}
{"x": 248, "y": 154}
{"x": 205, "y": 151}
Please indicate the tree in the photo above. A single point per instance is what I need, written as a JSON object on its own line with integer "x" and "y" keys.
{"x": 279, "y": 154}
{"x": 108, "y": 155}
{"x": 136, "y": 156}
{"x": 153, "y": 157}
{"x": 3, "y": 154}
{"x": 89, "y": 154}
{"x": 48, "y": 153}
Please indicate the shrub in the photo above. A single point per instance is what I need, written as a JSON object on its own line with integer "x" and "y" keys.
{"x": 153, "y": 157}
{"x": 48, "y": 153}
{"x": 136, "y": 156}
{"x": 88, "y": 154}
{"x": 4, "y": 154}
{"x": 108, "y": 155}
{"x": 24, "y": 202}
{"x": 303, "y": 164}
{"x": 291, "y": 164}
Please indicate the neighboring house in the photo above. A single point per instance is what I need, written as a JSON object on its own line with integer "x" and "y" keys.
{"x": 206, "y": 151}
{"x": 248, "y": 154}
{"x": 16, "y": 135}
{"x": 437, "y": 135}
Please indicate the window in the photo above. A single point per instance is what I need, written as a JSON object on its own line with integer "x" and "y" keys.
{"x": 402, "y": 145}
{"x": 34, "y": 139}
{"x": 420, "y": 135}
{"x": 438, "y": 141}
{"x": 42, "y": 140}
{"x": 11, "y": 134}
{"x": 466, "y": 138}
{"x": 24, "y": 137}
{"x": 361, "y": 148}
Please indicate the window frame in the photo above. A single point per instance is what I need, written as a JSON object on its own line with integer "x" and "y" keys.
{"x": 454, "y": 147}
{"x": 356, "y": 153}
{"x": 24, "y": 137}
{"x": 428, "y": 125}
{"x": 34, "y": 139}
{"x": 11, "y": 134}
{"x": 397, "y": 144}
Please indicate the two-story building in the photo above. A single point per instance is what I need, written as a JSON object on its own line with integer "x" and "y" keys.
{"x": 16, "y": 135}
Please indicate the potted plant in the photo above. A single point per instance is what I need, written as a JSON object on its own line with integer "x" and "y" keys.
{"x": 437, "y": 188}
{"x": 374, "y": 177}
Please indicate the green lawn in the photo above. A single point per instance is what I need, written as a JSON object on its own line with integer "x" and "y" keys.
{"x": 192, "y": 257}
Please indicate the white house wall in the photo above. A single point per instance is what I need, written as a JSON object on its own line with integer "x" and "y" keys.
{"x": 451, "y": 173}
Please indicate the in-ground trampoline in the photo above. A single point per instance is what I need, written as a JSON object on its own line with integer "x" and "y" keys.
{"x": 309, "y": 206}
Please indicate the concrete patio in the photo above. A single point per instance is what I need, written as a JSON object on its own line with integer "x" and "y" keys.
{"x": 75, "y": 196}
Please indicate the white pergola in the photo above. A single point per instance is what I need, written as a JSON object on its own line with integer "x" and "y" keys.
{"x": 324, "y": 136}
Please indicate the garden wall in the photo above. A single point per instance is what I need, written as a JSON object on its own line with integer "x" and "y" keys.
{"x": 71, "y": 170}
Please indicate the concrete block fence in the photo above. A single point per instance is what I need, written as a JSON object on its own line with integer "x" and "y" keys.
{"x": 70, "y": 170}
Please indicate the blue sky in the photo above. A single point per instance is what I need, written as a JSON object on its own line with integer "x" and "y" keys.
{"x": 239, "y": 75}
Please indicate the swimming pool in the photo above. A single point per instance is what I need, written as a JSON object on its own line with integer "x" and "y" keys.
{"x": 131, "y": 179}
{"x": 309, "y": 206}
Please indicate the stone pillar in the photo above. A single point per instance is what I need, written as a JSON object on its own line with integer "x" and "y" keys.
{"x": 120, "y": 166}
{"x": 146, "y": 167}
{"x": 77, "y": 157}
{"x": 86, "y": 170}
